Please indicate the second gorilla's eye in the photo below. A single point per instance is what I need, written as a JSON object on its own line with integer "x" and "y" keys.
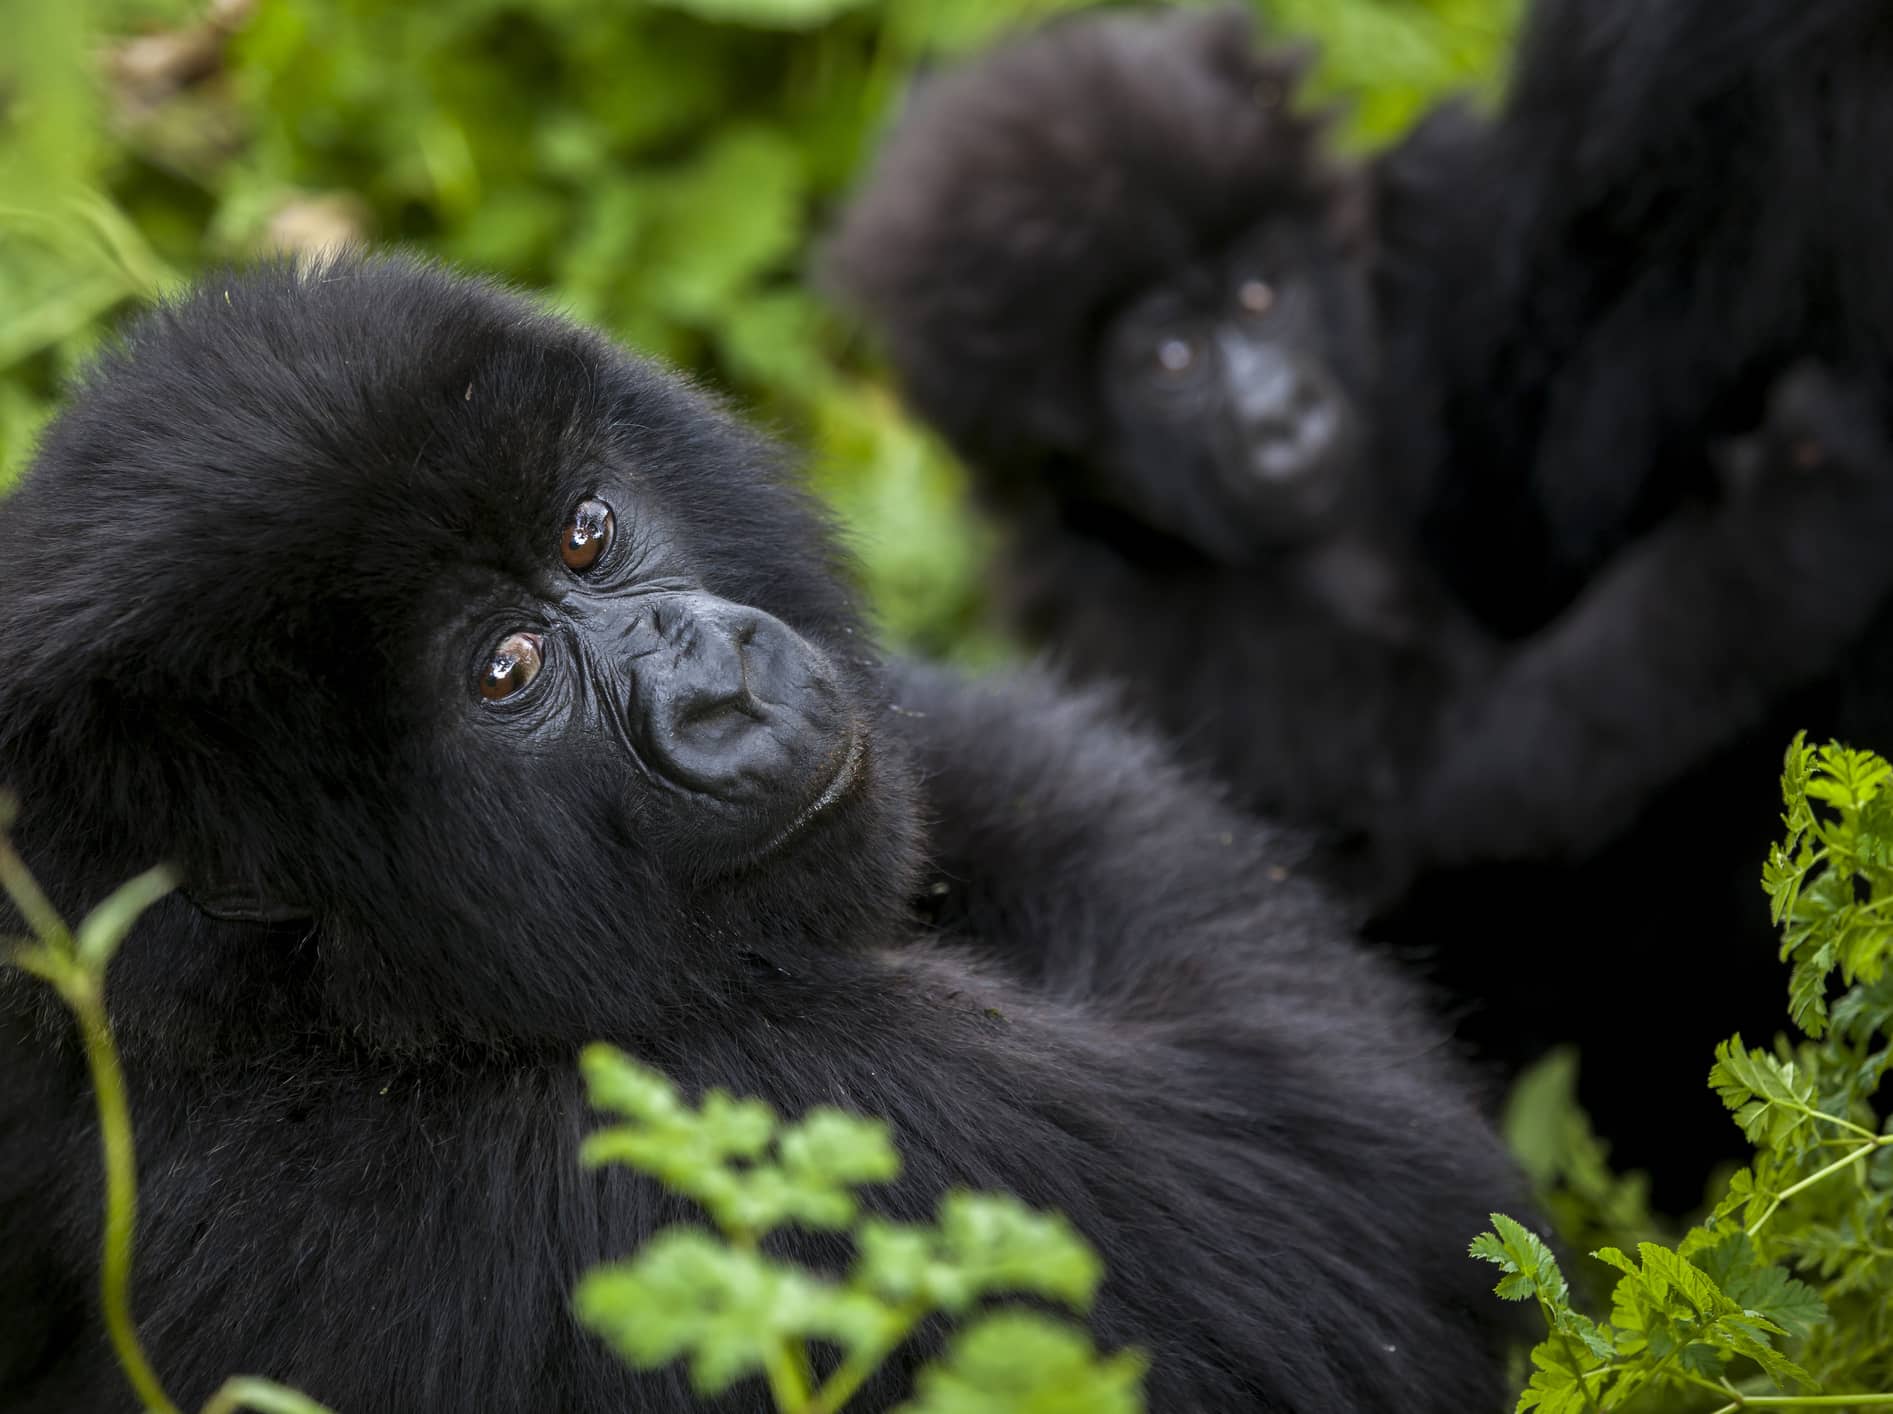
{"x": 514, "y": 663}
{"x": 1256, "y": 296}
{"x": 1176, "y": 355}
{"x": 587, "y": 535}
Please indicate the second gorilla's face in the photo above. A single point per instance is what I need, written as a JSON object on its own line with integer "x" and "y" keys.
{"x": 1234, "y": 395}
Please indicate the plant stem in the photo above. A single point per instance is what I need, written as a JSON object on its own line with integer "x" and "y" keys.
{"x": 1844, "y": 1162}
{"x": 83, "y": 995}
{"x": 1570, "y": 1354}
{"x": 788, "y": 1386}
{"x": 853, "y": 1372}
{"x": 42, "y": 919}
{"x": 1802, "y": 1401}
{"x": 264, "y": 1396}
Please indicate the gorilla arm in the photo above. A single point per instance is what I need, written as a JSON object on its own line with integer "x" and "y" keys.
{"x": 1680, "y": 645}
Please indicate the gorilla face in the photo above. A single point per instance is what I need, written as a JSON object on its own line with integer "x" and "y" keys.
{"x": 1234, "y": 390}
{"x": 367, "y": 594}
{"x": 721, "y": 724}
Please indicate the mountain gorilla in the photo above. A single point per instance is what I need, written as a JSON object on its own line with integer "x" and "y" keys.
{"x": 1191, "y": 360}
{"x": 492, "y": 693}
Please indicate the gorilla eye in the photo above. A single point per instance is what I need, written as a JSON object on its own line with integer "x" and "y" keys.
{"x": 514, "y": 663}
{"x": 587, "y": 535}
{"x": 1176, "y": 355}
{"x": 1256, "y": 296}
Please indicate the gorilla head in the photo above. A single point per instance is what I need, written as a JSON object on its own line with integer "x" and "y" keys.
{"x": 442, "y": 611}
{"x": 1114, "y": 268}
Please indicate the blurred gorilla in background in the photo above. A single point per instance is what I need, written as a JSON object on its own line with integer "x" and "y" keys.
{"x": 1226, "y": 393}
{"x": 492, "y": 693}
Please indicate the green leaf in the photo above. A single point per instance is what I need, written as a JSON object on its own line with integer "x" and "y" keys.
{"x": 765, "y": 14}
{"x": 1796, "y": 771}
{"x": 982, "y": 1244}
{"x": 830, "y": 1146}
{"x": 1807, "y": 989}
{"x": 1529, "y": 1267}
{"x": 689, "y": 1295}
{"x": 1771, "y": 1099}
{"x": 1015, "y": 1362}
{"x": 1780, "y": 1299}
{"x": 104, "y": 928}
{"x": 1768, "y": 1291}
{"x": 1847, "y": 778}
{"x": 1562, "y": 1380}
{"x": 720, "y": 1154}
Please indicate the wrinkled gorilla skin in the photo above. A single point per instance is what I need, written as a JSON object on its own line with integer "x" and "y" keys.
{"x": 1429, "y": 670}
{"x": 275, "y": 589}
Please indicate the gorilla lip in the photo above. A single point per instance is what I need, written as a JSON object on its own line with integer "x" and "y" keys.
{"x": 847, "y": 771}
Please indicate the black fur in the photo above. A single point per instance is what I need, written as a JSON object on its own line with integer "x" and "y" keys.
{"x": 1676, "y": 202}
{"x": 247, "y": 584}
{"x": 1432, "y": 676}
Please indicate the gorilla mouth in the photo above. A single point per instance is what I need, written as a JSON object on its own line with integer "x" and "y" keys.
{"x": 847, "y": 771}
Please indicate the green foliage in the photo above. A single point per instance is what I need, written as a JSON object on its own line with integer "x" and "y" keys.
{"x": 660, "y": 169}
{"x": 732, "y": 1311}
{"x": 1026, "y": 1363}
{"x": 1783, "y": 1295}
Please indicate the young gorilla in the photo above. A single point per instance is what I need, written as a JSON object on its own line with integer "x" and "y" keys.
{"x": 492, "y": 693}
{"x": 1121, "y": 276}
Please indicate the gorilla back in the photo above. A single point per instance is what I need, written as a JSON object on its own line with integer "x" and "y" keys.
{"x": 492, "y": 693}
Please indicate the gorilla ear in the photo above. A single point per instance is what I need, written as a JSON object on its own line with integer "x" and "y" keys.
{"x": 233, "y": 903}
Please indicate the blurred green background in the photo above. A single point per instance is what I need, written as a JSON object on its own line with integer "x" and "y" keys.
{"x": 658, "y": 167}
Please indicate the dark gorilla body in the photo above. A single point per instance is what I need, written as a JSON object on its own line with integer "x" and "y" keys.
{"x": 494, "y": 694}
{"x": 1216, "y": 388}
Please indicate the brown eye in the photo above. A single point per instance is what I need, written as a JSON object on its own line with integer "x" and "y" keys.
{"x": 515, "y": 663}
{"x": 587, "y": 535}
{"x": 1256, "y": 296}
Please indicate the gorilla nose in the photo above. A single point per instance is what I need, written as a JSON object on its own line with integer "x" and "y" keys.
{"x": 731, "y": 701}
{"x": 1288, "y": 417}
{"x": 712, "y": 703}
{"x": 1281, "y": 413}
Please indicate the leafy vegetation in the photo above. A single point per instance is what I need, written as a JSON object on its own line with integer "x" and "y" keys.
{"x": 730, "y": 1310}
{"x": 1782, "y": 1297}
{"x": 660, "y": 168}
